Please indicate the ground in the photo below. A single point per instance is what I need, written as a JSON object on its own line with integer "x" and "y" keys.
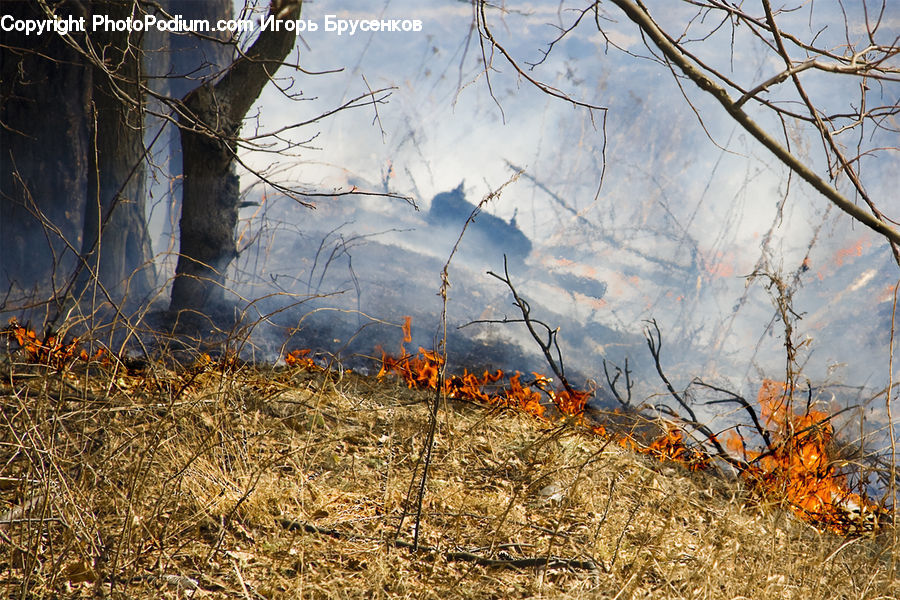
{"x": 231, "y": 480}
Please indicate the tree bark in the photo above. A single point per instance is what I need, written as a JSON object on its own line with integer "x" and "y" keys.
{"x": 43, "y": 154}
{"x": 209, "y": 133}
{"x": 116, "y": 244}
{"x": 179, "y": 62}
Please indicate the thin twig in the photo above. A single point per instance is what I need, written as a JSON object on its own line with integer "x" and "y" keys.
{"x": 743, "y": 402}
{"x": 626, "y": 402}
{"x": 551, "y": 344}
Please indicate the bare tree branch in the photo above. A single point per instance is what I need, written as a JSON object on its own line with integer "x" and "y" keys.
{"x": 640, "y": 16}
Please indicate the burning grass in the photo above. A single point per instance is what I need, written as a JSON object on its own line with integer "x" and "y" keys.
{"x": 226, "y": 480}
{"x": 795, "y": 468}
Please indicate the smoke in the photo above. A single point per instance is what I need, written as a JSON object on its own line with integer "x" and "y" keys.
{"x": 659, "y": 208}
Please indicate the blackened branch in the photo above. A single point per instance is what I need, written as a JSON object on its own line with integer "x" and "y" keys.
{"x": 550, "y": 345}
{"x": 743, "y": 402}
{"x": 611, "y": 381}
{"x": 654, "y": 342}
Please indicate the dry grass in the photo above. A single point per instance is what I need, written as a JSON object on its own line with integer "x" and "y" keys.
{"x": 174, "y": 484}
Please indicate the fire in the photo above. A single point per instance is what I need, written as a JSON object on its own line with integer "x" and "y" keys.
{"x": 850, "y": 252}
{"x": 300, "y": 358}
{"x": 422, "y": 371}
{"x": 570, "y": 403}
{"x": 797, "y": 468}
{"x": 51, "y": 350}
{"x": 844, "y": 256}
{"x": 673, "y": 447}
{"x": 100, "y": 355}
{"x": 407, "y": 329}
{"x": 522, "y": 396}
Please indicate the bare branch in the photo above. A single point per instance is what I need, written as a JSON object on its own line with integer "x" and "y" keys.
{"x": 552, "y": 91}
{"x": 648, "y": 26}
{"x": 548, "y": 347}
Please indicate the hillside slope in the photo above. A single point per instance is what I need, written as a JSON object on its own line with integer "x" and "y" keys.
{"x": 232, "y": 481}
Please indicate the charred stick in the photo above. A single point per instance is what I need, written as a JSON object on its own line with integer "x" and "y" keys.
{"x": 463, "y": 556}
{"x": 655, "y": 345}
{"x": 612, "y": 383}
{"x": 737, "y": 429}
{"x": 743, "y": 402}
{"x": 547, "y": 347}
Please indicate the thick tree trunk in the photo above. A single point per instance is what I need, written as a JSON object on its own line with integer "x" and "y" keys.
{"x": 209, "y": 214}
{"x": 116, "y": 244}
{"x": 209, "y": 131}
{"x": 44, "y": 94}
{"x": 179, "y": 63}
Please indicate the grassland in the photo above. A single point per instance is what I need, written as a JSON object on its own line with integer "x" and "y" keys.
{"x": 245, "y": 482}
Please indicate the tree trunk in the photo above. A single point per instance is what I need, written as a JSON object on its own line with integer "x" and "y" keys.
{"x": 178, "y": 63}
{"x": 116, "y": 244}
{"x": 43, "y": 155}
{"x": 209, "y": 132}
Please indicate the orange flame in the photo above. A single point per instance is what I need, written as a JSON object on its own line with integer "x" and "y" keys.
{"x": 798, "y": 468}
{"x": 570, "y": 403}
{"x": 299, "y": 358}
{"x": 52, "y": 350}
{"x": 423, "y": 371}
{"x": 672, "y": 446}
{"x": 407, "y": 329}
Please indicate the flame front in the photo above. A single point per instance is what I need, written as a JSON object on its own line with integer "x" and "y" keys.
{"x": 797, "y": 469}
{"x": 51, "y": 350}
{"x": 423, "y": 371}
{"x": 300, "y": 358}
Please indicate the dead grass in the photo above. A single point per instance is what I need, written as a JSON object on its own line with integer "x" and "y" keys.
{"x": 164, "y": 484}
